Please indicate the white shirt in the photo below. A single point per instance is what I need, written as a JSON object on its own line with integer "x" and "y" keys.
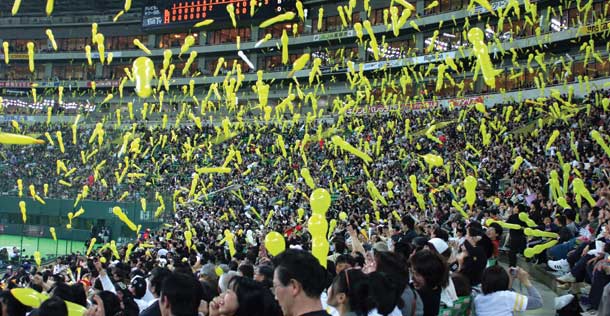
{"x": 501, "y": 303}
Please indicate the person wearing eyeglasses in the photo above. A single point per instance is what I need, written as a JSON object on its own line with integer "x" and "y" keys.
{"x": 298, "y": 283}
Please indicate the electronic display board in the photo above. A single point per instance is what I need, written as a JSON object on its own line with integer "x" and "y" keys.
{"x": 176, "y": 14}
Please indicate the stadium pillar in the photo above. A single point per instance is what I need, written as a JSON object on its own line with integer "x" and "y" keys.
{"x": 151, "y": 40}
{"x": 254, "y": 30}
{"x": 48, "y": 70}
{"x": 99, "y": 70}
{"x": 254, "y": 33}
{"x": 419, "y": 8}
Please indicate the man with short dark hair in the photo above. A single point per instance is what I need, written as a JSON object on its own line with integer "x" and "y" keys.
{"x": 179, "y": 295}
{"x": 158, "y": 275}
{"x": 298, "y": 282}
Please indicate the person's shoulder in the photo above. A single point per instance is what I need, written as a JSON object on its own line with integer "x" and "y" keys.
{"x": 152, "y": 310}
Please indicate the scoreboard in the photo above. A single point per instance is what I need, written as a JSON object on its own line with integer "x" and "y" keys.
{"x": 182, "y": 14}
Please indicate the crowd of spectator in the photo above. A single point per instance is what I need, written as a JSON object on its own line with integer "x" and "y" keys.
{"x": 430, "y": 261}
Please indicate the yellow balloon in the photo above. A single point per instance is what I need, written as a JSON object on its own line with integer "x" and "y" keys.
{"x": 343, "y": 216}
{"x": 317, "y": 225}
{"x": 143, "y": 70}
{"x": 75, "y": 309}
{"x": 524, "y": 217}
{"x": 28, "y": 296}
{"x": 470, "y": 183}
{"x": 275, "y": 243}
{"x": 277, "y": 19}
{"x": 539, "y": 233}
{"x": 319, "y": 201}
{"x": 433, "y": 160}
{"x": 476, "y": 37}
{"x": 307, "y": 177}
{"x": 319, "y": 249}
{"x": 300, "y": 213}
{"x": 530, "y": 252}
{"x": 17, "y": 139}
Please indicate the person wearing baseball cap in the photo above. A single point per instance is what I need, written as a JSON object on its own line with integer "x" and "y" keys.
{"x": 137, "y": 287}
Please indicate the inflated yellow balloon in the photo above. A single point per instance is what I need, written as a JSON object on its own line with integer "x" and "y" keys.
{"x": 338, "y": 141}
{"x": 539, "y": 233}
{"x": 37, "y": 258}
{"x": 53, "y": 235}
{"x": 60, "y": 141}
{"x": 299, "y": 64}
{"x": 17, "y": 139}
{"x": 284, "y": 40}
{"x": 517, "y": 164}
{"x": 476, "y": 38}
{"x": 530, "y": 252}
{"x": 319, "y": 201}
{"x": 552, "y": 139}
{"x": 49, "y": 8}
{"x": 288, "y": 16}
{"x": 5, "y": 46}
{"x": 320, "y": 18}
{"x": 480, "y": 107}
{"x": 433, "y": 160}
{"x": 374, "y": 192}
{"x": 600, "y": 140}
{"x": 275, "y": 243}
{"x": 141, "y": 46}
{"x": 373, "y": 41}
{"x": 143, "y": 70}
{"x": 470, "y": 183}
{"x": 307, "y": 177}
{"x": 319, "y": 249}
{"x": 30, "y": 47}
{"x": 29, "y": 297}
{"x": 503, "y": 224}
{"x": 189, "y": 62}
{"x": 203, "y": 23}
{"x": 88, "y": 55}
{"x": 75, "y": 309}
{"x": 91, "y": 245}
{"x": 51, "y": 39}
{"x": 317, "y": 225}
{"x": 231, "y": 10}
{"x": 524, "y": 217}
{"x": 343, "y": 216}
{"x": 16, "y": 6}
{"x": 22, "y": 208}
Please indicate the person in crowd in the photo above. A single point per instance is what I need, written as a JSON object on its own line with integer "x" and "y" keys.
{"x": 179, "y": 295}
{"x": 298, "y": 282}
{"x": 10, "y": 306}
{"x": 54, "y": 306}
{"x": 245, "y": 297}
{"x": 497, "y": 299}
{"x": 158, "y": 276}
{"x": 430, "y": 275}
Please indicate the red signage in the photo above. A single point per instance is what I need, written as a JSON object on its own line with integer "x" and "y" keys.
{"x": 15, "y": 84}
{"x": 465, "y": 102}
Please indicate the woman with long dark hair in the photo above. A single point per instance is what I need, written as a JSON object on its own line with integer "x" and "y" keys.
{"x": 245, "y": 297}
